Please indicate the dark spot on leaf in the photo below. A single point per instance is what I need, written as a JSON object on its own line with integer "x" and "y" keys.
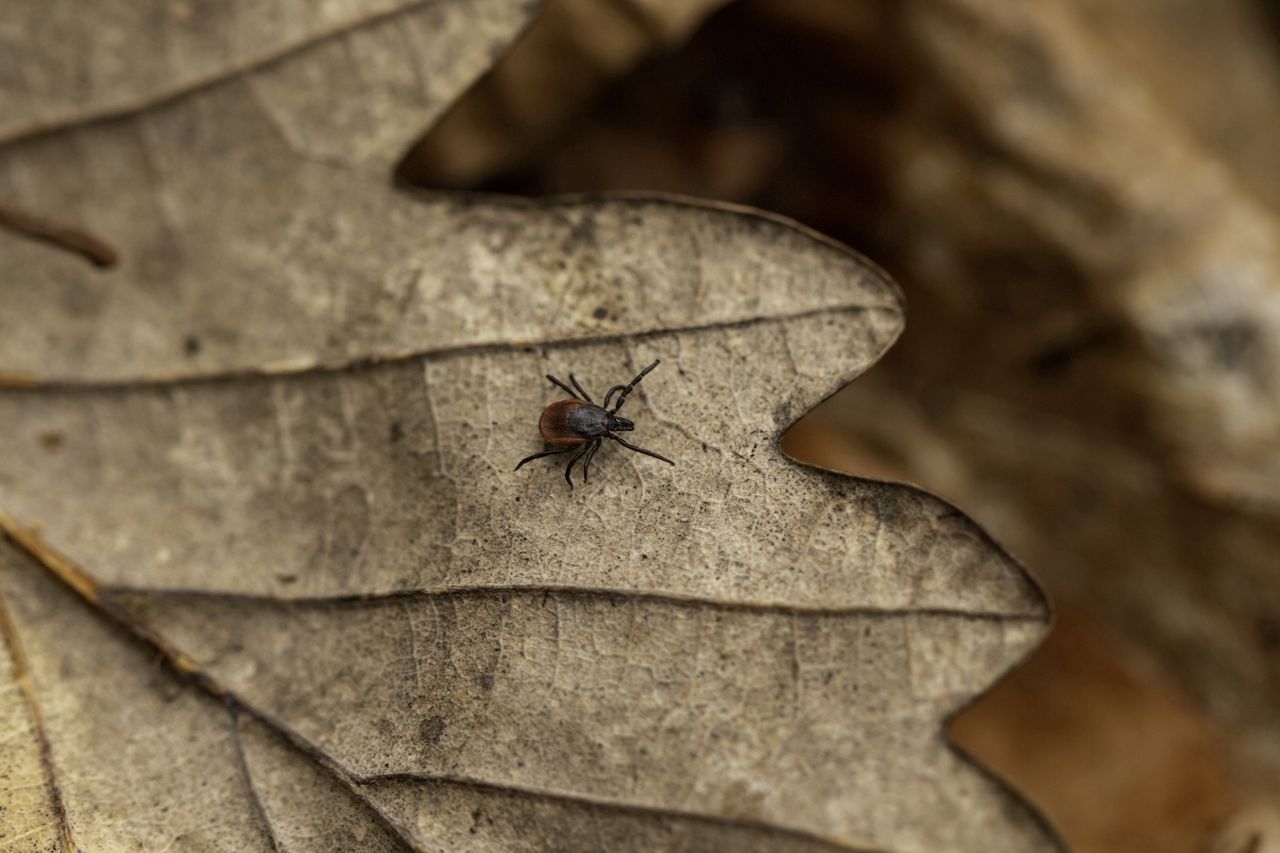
{"x": 581, "y": 234}
{"x": 600, "y": 313}
{"x": 397, "y": 431}
{"x": 430, "y": 730}
{"x": 51, "y": 441}
{"x": 191, "y": 345}
{"x": 348, "y": 526}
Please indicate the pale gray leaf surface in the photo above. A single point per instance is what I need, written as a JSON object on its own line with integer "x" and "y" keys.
{"x": 254, "y": 218}
{"x": 822, "y": 723}
{"x": 138, "y": 759}
{"x": 734, "y": 645}
{"x": 304, "y": 806}
{"x": 446, "y": 815}
{"x": 402, "y": 474}
{"x": 65, "y": 62}
{"x": 29, "y": 811}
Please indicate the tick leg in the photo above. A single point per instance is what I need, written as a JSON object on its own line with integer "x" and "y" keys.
{"x": 542, "y": 454}
{"x": 586, "y": 463}
{"x": 568, "y": 469}
{"x": 626, "y": 389}
{"x": 631, "y": 446}
{"x": 584, "y": 394}
{"x": 611, "y": 392}
{"x": 565, "y": 387}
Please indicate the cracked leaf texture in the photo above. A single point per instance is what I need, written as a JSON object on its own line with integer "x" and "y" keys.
{"x": 307, "y": 603}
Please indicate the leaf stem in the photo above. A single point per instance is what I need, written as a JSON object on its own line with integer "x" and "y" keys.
{"x": 92, "y": 249}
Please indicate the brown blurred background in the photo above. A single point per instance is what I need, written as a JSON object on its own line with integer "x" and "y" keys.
{"x": 1080, "y": 199}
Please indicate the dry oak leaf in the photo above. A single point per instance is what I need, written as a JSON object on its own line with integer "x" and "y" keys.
{"x": 66, "y": 63}
{"x": 735, "y": 652}
{"x": 288, "y": 593}
{"x": 253, "y": 216}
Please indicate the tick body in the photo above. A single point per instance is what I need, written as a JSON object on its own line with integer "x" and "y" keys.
{"x": 580, "y": 425}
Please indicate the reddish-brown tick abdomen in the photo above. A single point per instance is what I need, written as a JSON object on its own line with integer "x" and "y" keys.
{"x": 554, "y": 423}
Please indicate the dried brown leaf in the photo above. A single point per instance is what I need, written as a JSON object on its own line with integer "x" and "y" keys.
{"x": 316, "y": 607}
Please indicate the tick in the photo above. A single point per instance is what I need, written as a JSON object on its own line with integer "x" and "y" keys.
{"x": 580, "y": 425}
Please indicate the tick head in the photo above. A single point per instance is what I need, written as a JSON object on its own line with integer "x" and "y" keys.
{"x": 617, "y": 424}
